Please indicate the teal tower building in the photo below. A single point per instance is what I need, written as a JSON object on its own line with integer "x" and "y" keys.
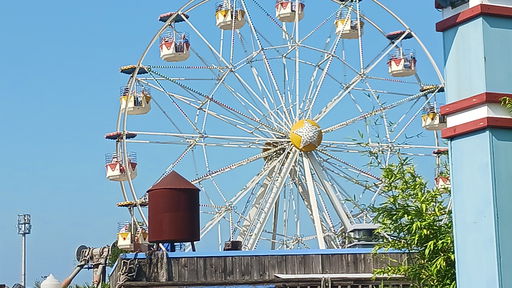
{"x": 477, "y": 37}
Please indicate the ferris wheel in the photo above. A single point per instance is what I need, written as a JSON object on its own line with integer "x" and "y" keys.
{"x": 283, "y": 114}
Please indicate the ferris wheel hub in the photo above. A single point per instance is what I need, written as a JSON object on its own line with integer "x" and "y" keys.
{"x": 306, "y": 135}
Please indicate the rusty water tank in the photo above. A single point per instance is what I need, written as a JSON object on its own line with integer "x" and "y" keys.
{"x": 173, "y": 210}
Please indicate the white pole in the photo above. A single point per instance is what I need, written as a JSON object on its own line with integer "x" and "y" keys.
{"x": 23, "y": 259}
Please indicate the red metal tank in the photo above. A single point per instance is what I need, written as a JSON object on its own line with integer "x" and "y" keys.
{"x": 173, "y": 210}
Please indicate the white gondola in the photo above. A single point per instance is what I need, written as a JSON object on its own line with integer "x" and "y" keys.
{"x": 227, "y": 18}
{"x": 286, "y": 10}
{"x": 132, "y": 239}
{"x": 443, "y": 182}
{"x": 349, "y": 29}
{"x": 402, "y": 63}
{"x": 124, "y": 241}
{"x": 117, "y": 170}
{"x": 175, "y": 47}
{"x": 136, "y": 103}
{"x": 433, "y": 121}
{"x": 142, "y": 237}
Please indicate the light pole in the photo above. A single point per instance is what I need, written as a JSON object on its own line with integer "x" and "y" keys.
{"x": 24, "y": 228}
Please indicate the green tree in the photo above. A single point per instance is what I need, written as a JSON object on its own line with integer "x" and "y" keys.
{"x": 507, "y": 103}
{"x": 416, "y": 219}
{"x": 115, "y": 252}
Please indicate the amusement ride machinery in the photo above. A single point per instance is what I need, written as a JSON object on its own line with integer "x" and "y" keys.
{"x": 282, "y": 114}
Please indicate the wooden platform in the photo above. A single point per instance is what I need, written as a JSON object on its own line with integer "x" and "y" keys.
{"x": 347, "y": 268}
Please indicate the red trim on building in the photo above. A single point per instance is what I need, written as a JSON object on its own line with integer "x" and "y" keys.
{"x": 473, "y": 101}
{"x": 480, "y": 124}
{"x": 471, "y": 13}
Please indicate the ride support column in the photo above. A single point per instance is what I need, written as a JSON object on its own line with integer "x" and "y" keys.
{"x": 477, "y": 37}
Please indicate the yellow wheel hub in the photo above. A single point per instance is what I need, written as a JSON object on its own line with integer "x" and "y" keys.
{"x": 306, "y": 135}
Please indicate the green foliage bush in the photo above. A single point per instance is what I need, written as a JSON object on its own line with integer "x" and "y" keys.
{"x": 416, "y": 219}
{"x": 507, "y": 103}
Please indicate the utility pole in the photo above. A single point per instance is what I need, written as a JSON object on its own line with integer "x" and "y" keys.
{"x": 24, "y": 228}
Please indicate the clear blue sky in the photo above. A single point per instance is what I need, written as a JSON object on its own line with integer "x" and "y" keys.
{"x": 59, "y": 90}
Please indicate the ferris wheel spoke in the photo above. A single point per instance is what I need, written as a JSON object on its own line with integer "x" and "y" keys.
{"x": 209, "y": 140}
{"x": 356, "y": 80}
{"x": 330, "y": 231}
{"x": 267, "y": 64}
{"x": 210, "y": 46}
{"x": 232, "y": 50}
{"x": 327, "y": 53}
{"x": 357, "y": 208}
{"x": 248, "y": 220}
{"x": 313, "y": 202}
{"x": 241, "y": 163}
{"x": 254, "y": 111}
{"x": 275, "y": 224}
{"x": 341, "y": 84}
{"x": 253, "y": 204}
{"x": 374, "y": 112}
{"x": 240, "y": 145}
{"x": 221, "y": 45}
{"x": 297, "y": 67}
{"x": 339, "y": 173}
{"x": 229, "y": 88}
{"x": 269, "y": 16}
{"x": 381, "y": 92}
{"x": 340, "y": 209}
{"x": 416, "y": 114}
{"x": 280, "y": 117}
{"x": 303, "y": 192}
{"x": 171, "y": 167}
{"x": 261, "y": 220}
{"x": 305, "y": 100}
{"x": 247, "y": 60}
{"x": 375, "y": 25}
{"x": 231, "y": 110}
{"x": 182, "y": 98}
{"x": 196, "y": 104}
{"x": 394, "y": 147}
{"x": 203, "y": 137}
{"x": 339, "y": 169}
{"x": 409, "y": 122}
{"x": 208, "y": 100}
{"x": 398, "y": 81}
{"x": 320, "y": 83}
{"x": 183, "y": 114}
{"x": 379, "y": 103}
{"x": 212, "y": 179}
{"x": 271, "y": 113}
{"x": 353, "y": 167}
{"x": 360, "y": 39}
{"x": 317, "y": 28}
